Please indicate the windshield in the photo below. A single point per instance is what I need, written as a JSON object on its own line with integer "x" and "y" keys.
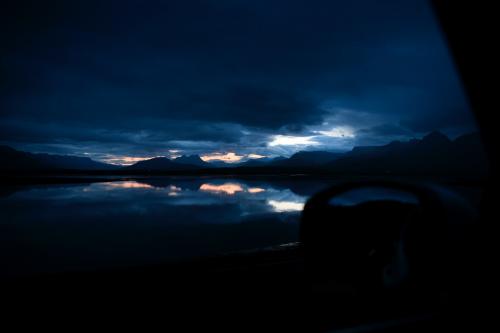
{"x": 138, "y": 132}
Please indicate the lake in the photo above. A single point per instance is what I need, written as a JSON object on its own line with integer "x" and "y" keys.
{"x": 67, "y": 227}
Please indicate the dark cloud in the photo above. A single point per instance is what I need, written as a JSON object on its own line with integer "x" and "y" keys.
{"x": 151, "y": 75}
{"x": 385, "y": 130}
{"x": 383, "y": 133}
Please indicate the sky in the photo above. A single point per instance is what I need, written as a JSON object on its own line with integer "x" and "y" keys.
{"x": 120, "y": 81}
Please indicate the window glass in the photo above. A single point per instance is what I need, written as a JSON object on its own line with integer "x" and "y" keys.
{"x": 137, "y": 132}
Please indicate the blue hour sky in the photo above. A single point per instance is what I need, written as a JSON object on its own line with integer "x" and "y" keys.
{"x": 120, "y": 81}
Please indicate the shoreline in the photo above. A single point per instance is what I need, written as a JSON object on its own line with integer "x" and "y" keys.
{"x": 75, "y": 177}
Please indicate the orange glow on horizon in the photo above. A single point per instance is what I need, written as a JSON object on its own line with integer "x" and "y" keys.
{"x": 125, "y": 160}
{"x": 128, "y": 184}
{"x": 255, "y": 156}
{"x": 228, "y": 157}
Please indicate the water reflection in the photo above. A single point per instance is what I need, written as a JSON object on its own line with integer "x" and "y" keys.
{"x": 174, "y": 191}
{"x": 149, "y": 220}
{"x": 286, "y": 206}
{"x": 228, "y": 188}
{"x": 250, "y": 199}
{"x": 255, "y": 190}
{"x": 127, "y": 184}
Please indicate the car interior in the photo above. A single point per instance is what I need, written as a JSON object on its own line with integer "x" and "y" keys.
{"x": 375, "y": 254}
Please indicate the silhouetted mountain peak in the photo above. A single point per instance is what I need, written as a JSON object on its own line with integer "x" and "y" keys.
{"x": 160, "y": 158}
{"x": 161, "y": 164}
{"x": 470, "y": 146}
{"x": 7, "y": 149}
{"x": 435, "y": 137}
{"x": 468, "y": 138}
{"x": 434, "y": 155}
{"x": 191, "y": 160}
{"x": 308, "y": 158}
{"x": 12, "y": 159}
{"x": 394, "y": 144}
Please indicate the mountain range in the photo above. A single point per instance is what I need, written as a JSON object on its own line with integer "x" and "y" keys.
{"x": 434, "y": 154}
{"x": 164, "y": 163}
{"x": 15, "y": 160}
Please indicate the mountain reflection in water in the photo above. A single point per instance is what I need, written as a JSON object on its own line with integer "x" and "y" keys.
{"x": 150, "y": 220}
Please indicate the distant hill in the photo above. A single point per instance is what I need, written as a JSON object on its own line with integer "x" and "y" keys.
{"x": 160, "y": 164}
{"x": 433, "y": 155}
{"x": 11, "y": 159}
{"x": 72, "y": 162}
{"x": 15, "y": 160}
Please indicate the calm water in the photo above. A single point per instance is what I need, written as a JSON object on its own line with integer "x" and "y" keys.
{"x": 121, "y": 223}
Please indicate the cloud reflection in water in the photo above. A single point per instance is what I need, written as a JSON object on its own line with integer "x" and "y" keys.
{"x": 227, "y": 188}
{"x": 149, "y": 219}
{"x": 286, "y": 206}
{"x": 250, "y": 198}
{"x": 127, "y": 184}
